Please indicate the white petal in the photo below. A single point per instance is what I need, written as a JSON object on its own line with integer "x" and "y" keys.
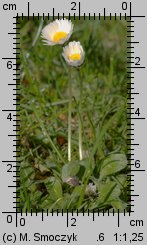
{"x": 51, "y": 29}
{"x": 73, "y": 48}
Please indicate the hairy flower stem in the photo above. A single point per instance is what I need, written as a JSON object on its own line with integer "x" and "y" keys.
{"x": 80, "y": 119}
{"x": 69, "y": 116}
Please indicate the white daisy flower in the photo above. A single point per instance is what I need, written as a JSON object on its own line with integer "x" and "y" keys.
{"x": 57, "y": 32}
{"x": 74, "y": 54}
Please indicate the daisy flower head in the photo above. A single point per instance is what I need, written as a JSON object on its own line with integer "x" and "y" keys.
{"x": 74, "y": 54}
{"x": 57, "y": 32}
{"x": 90, "y": 190}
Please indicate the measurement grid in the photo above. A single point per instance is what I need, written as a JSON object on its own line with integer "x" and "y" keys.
{"x": 134, "y": 114}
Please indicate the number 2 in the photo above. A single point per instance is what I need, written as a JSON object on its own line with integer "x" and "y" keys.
{"x": 73, "y": 222}
{"x": 9, "y": 168}
{"x": 137, "y": 61}
{"x": 74, "y": 5}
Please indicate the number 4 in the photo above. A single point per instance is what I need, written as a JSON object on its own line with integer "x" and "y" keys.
{"x": 137, "y": 112}
{"x": 9, "y": 117}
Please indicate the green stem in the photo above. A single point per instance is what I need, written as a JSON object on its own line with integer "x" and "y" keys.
{"x": 69, "y": 116}
{"x": 80, "y": 119}
{"x": 45, "y": 133}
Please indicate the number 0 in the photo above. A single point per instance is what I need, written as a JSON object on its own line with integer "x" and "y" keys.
{"x": 9, "y": 219}
{"x": 124, "y": 5}
{"x": 22, "y": 222}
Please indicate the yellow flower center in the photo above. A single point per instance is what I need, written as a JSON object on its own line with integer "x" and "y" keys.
{"x": 59, "y": 35}
{"x": 75, "y": 57}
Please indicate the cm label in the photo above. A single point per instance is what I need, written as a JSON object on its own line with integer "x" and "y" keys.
{"x": 9, "y": 6}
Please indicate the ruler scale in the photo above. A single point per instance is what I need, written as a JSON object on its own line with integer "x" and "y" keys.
{"x": 101, "y": 226}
